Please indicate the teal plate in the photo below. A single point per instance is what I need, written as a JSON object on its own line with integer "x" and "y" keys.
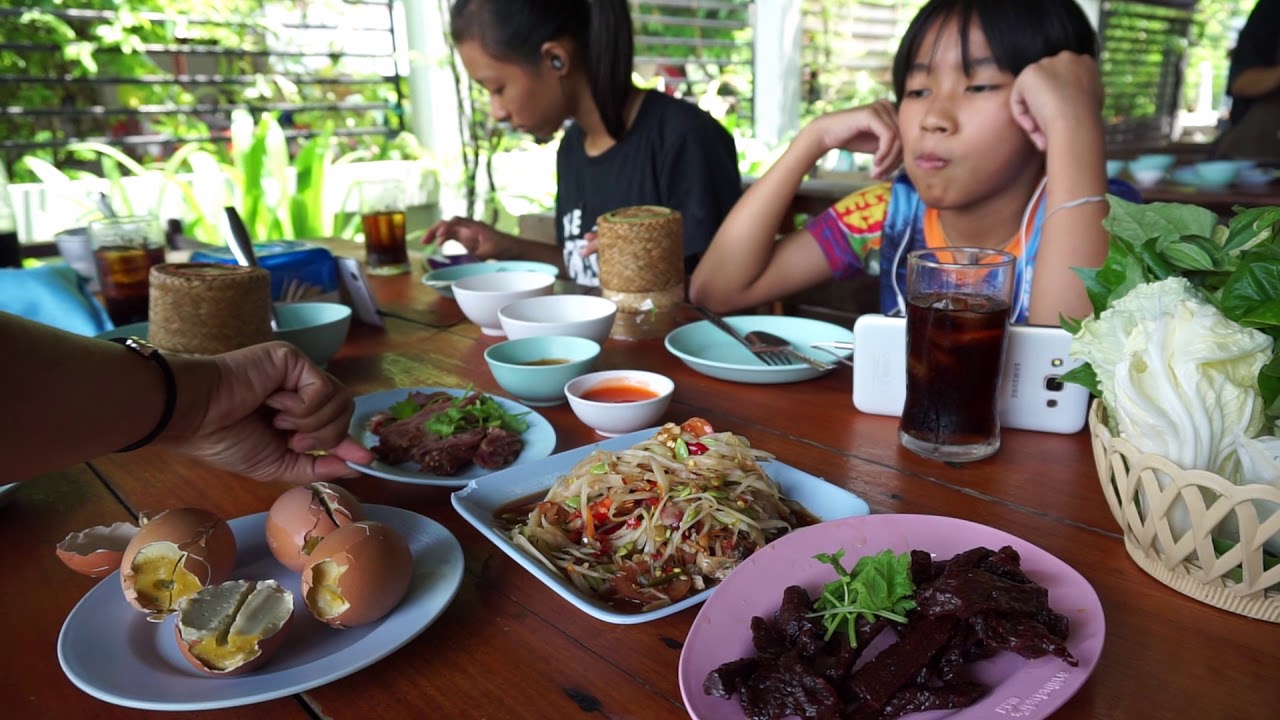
{"x": 442, "y": 280}
{"x": 707, "y": 349}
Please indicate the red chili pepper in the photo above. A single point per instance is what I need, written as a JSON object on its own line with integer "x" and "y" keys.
{"x": 633, "y": 522}
{"x": 696, "y": 448}
{"x": 653, "y": 502}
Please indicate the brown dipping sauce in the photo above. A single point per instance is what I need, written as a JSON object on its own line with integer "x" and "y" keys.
{"x": 544, "y": 361}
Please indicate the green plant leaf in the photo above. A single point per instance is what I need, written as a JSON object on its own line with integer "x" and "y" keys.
{"x": 1188, "y": 254}
{"x": 1085, "y": 376}
{"x": 1254, "y": 285}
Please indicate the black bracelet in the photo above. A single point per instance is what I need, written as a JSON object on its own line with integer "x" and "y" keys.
{"x": 152, "y": 353}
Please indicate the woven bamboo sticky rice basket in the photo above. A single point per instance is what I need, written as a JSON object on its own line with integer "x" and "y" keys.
{"x": 1147, "y": 493}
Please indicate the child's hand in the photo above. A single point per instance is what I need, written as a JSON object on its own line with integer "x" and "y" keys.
{"x": 478, "y": 238}
{"x": 1054, "y": 93}
{"x": 867, "y": 129}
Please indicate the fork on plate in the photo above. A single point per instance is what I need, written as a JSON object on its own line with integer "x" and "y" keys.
{"x": 774, "y": 355}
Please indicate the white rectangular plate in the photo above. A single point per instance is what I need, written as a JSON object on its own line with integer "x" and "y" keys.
{"x": 480, "y": 500}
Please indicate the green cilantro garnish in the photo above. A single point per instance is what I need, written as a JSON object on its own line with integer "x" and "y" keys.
{"x": 878, "y": 585}
{"x": 484, "y": 413}
{"x": 404, "y": 409}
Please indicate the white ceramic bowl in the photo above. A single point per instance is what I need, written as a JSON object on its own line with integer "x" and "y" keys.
{"x": 616, "y": 418}
{"x": 1146, "y": 177}
{"x": 584, "y": 316}
{"x": 482, "y": 296}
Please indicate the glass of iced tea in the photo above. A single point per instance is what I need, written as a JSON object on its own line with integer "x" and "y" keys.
{"x": 382, "y": 212}
{"x": 124, "y": 249}
{"x": 957, "y": 319}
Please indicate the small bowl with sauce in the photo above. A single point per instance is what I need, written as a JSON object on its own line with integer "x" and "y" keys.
{"x": 615, "y": 402}
{"x": 534, "y": 370}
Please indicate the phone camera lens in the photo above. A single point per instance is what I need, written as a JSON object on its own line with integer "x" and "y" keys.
{"x": 1053, "y": 383}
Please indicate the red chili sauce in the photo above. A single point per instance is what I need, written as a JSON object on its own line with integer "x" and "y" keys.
{"x": 619, "y": 393}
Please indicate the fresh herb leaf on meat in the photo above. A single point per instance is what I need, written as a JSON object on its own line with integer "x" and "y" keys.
{"x": 483, "y": 413}
{"x": 878, "y": 585}
{"x": 404, "y": 409}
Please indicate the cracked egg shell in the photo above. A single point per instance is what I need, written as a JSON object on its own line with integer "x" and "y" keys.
{"x": 233, "y": 627}
{"x": 357, "y": 574}
{"x": 302, "y": 516}
{"x": 96, "y": 551}
{"x": 175, "y": 554}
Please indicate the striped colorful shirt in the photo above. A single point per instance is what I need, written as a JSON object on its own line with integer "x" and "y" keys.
{"x": 876, "y": 226}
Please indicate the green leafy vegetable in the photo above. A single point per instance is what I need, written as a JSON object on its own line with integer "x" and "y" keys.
{"x": 879, "y": 585}
{"x": 483, "y": 413}
{"x": 404, "y": 409}
{"x": 1235, "y": 267}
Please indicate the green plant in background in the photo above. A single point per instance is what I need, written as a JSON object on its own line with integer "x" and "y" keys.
{"x": 97, "y": 43}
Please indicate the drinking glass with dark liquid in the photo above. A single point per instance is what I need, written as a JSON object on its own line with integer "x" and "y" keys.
{"x": 124, "y": 250}
{"x": 958, "y": 302}
{"x": 382, "y": 213}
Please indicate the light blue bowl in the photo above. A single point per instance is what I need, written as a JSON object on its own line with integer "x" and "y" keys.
{"x": 1215, "y": 174}
{"x": 442, "y": 280}
{"x": 318, "y": 329}
{"x": 540, "y": 385}
{"x": 1115, "y": 167}
{"x": 1153, "y": 161}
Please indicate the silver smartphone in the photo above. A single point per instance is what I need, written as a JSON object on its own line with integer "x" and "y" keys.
{"x": 1032, "y": 394}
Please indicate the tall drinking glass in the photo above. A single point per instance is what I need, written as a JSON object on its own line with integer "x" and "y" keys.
{"x": 124, "y": 250}
{"x": 382, "y": 213}
{"x": 957, "y": 320}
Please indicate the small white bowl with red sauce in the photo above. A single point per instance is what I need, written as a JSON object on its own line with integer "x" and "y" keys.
{"x": 615, "y": 402}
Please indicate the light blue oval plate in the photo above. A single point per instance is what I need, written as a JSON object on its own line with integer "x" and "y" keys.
{"x": 481, "y": 501}
{"x": 539, "y": 439}
{"x": 112, "y": 652}
{"x": 442, "y": 280}
{"x": 709, "y": 350}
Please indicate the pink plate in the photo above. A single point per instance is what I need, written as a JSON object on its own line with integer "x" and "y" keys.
{"x": 1020, "y": 687}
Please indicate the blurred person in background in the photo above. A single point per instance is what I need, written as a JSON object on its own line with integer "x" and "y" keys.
{"x": 1254, "y": 86}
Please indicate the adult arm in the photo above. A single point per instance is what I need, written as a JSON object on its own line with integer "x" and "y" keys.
{"x": 1058, "y": 101}
{"x": 746, "y": 264}
{"x": 1256, "y": 82}
{"x": 1254, "y": 71}
{"x": 259, "y": 411}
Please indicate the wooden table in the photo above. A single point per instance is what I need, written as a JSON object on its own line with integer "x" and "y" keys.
{"x": 508, "y": 647}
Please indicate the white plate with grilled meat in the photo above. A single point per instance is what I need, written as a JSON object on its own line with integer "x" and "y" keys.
{"x": 539, "y": 439}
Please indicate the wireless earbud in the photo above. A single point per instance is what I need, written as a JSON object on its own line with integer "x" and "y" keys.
{"x": 557, "y": 63}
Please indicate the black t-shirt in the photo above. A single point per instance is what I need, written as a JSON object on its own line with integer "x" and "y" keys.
{"x": 1256, "y": 47}
{"x": 675, "y": 155}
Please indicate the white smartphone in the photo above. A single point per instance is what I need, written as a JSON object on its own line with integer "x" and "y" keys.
{"x": 1032, "y": 394}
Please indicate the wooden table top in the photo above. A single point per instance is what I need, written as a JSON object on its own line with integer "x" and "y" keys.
{"x": 508, "y": 647}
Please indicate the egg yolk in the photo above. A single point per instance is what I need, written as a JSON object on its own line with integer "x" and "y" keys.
{"x": 160, "y": 577}
{"x": 325, "y": 597}
{"x": 227, "y": 652}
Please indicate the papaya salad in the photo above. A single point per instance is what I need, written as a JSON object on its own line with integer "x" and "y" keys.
{"x": 644, "y": 527}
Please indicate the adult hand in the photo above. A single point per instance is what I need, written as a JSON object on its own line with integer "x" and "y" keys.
{"x": 870, "y": 128}
{"x": 263, "y": 411}
{"x": 1056, "y": 92}
{"x": 478, "y": 238}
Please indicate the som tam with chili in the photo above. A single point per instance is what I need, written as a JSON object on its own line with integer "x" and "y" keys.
{"x": 644, "y": 527}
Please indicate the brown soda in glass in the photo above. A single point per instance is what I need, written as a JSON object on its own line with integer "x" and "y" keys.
{"x": 384, "y": 240}
{"x": 955, "y": 351}
{"x": 124, "y": 273}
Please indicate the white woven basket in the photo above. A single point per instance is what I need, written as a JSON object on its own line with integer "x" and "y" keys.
{"x": 1143, "y": 491}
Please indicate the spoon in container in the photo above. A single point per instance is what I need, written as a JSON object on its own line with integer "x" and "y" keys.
{"x": 242, "y": 248}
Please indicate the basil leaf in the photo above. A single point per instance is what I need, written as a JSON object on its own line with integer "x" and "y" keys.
{"x": 1189, "y": 255}
{"x": 1254, "y": 284}
{"x": 1085, "y": 376}
{"x": 1250, "y": 228}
